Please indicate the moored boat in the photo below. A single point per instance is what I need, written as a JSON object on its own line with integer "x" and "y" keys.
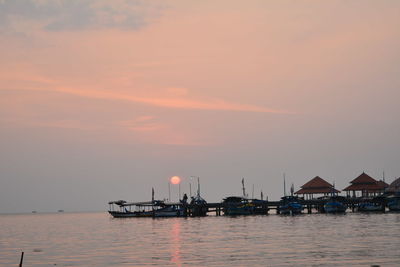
{"x": 237, "y": 206}
{"x": 156, "y": 208}
{"x": 376, "y": 204}
{"x": 394, "y": 203}
{"x": 290, "y": 206}
{"x": 197, "y": 203}
{"x": 369, "y": 207}
{"x": 123, "y": 209}
{"x": 335, "y": 205}
{"x": 170, "y": 210}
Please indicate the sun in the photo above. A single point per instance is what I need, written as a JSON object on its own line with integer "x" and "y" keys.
{"x": 175, "y": 180}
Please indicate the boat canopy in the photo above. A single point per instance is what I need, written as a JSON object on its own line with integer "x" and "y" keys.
{"x": 123, "y": 203}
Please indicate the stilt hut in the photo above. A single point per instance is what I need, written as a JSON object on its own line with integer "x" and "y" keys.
{"x": 394, "y": 187}
{"x": 365, "y": 186}
{"x": 316, "y": 186}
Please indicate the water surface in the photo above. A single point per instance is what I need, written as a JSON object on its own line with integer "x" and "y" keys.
{"x": 96, "y": 239}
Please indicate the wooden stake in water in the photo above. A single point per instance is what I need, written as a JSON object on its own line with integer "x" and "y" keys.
{"x": 22, "y": 259}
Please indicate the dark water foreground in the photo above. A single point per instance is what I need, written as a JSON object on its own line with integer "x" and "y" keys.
{"x": 95, "y": 239}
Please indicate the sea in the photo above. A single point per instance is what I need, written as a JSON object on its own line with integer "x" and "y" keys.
{"x": 97, "y": 239}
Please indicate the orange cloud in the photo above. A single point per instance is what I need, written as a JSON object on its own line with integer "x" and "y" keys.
{"x": 147, "y": 129}
{"x": 178, "y": 102}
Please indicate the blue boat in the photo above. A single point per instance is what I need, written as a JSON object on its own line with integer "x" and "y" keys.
{"x": 170, "y": 210}
{"x": 335, "y": 205}
{"x": 377, "y": 204}
{"x": 394, "y": 203}
{"x": 237, "y": 206}
{"x": 290, "y": 206}
{"x": 369, "y": 207}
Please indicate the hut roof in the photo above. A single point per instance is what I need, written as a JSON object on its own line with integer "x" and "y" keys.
{"x": 364, "y": 179}
{"x": 383, "y": 184}
{"x": 365, "y": 182}
{"x": 317, "y": 185}
{"x": 394, "y": 186}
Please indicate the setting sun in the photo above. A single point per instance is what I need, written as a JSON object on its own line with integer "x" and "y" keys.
{"x": 175, "y": 180}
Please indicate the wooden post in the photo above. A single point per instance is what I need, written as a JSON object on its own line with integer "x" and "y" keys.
{"x": 22, "y": 259}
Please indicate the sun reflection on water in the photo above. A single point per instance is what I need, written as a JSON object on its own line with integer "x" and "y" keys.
{"x": 176, "y": 243}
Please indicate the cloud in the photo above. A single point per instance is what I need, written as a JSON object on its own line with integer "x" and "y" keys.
{"x": 149, "y": 129}
{"x": 142, "y": 124}
{"x": 177, "y": 102}
{"x": 60, "y": 15}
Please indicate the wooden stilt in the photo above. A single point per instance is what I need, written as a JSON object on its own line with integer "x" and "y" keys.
{"x": 22, "y": 259}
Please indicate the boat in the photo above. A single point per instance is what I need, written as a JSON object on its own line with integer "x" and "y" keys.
{"x": 369, "y": 207}
{"x": 335, "y": 204}
{"x": 123, "y": 209}
{"x": 197, "y": 203}
{"x": 237, "y": 206}
{"x": 153, "y": 208}
{"x": 394, "y": 203}
{"x": 376, "y": 204}
{"x": 156, "y": 208}
{"x": 290, "y": 206}
{"x": 170, "y": 210}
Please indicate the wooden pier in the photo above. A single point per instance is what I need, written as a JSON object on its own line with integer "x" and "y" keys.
{"x": 263, "y": 208}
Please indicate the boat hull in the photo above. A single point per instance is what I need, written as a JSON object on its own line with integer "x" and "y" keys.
{"x": 369, "y": 207}
{"x": 335, "y": 207}
{"x": 234, "y": 211}
{"x": 169, "y": 214}
{"x": 285, "y": 211}
{"x": 394, "y": 204}
{"x": 128, "y": 214}
{"x": 291, "y": 209}
{"x": 170, "y": 211}
{"x": 290, "y": 206}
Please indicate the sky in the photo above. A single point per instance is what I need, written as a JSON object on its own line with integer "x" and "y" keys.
{"x": 103, "y": 100}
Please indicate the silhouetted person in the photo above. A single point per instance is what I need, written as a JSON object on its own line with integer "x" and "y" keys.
{"x": 184, "y": 199}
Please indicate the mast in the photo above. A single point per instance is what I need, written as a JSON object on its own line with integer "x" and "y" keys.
{"x": 198, "y": 186}
{"x": 284, "y": 185}
{"x": 152, "y": 199}
{"x": 169, "y": 191}
{"x": 243, "y": 189}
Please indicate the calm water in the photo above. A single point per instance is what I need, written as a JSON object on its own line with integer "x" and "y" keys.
{"x": 95, "y": 239}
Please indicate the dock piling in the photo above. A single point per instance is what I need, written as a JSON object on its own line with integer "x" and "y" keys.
{"x": 22, "y": 259}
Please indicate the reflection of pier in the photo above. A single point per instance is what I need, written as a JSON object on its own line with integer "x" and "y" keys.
{"x": 263, "y": 207}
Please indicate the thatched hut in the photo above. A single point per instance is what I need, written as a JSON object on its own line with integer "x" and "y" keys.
{"x": 365, "y": 186}
{"x": 316, "y": 186}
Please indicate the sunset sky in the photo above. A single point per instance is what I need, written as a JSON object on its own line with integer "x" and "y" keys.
{"x": 103, "y": 100}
